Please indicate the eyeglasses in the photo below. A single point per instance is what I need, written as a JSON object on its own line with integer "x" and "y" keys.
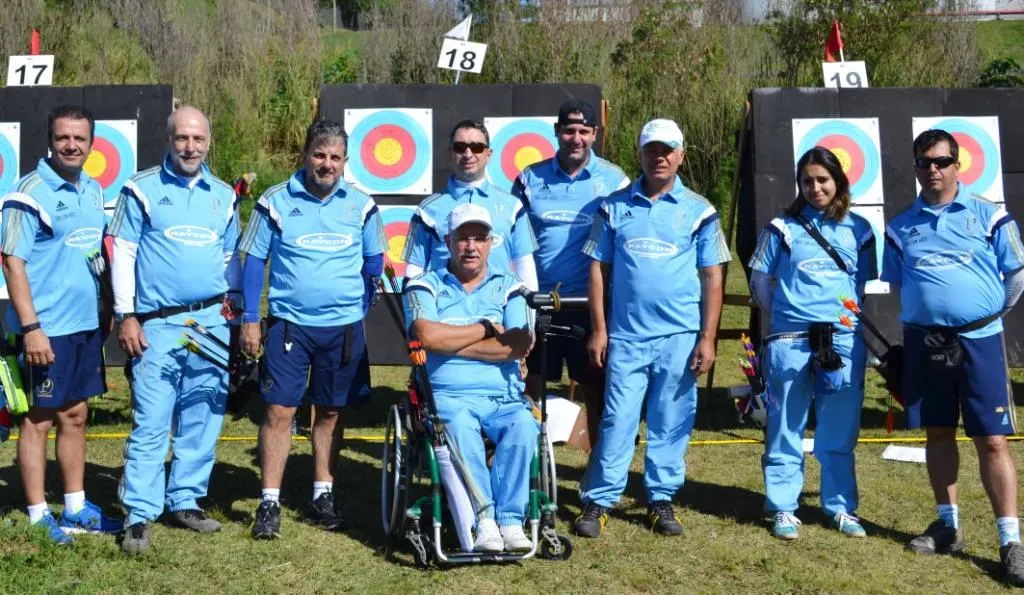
{"x": 940, "y": 162}
{"x": 474, "y": 239}
{"x": 460, "y": 147}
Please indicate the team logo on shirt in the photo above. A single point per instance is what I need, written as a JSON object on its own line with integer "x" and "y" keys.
{"x": 325, "y": 242}
{"x": 165, "y": 202}
{"x": 944, "y": 260}
{"x": 191, "y": 235}
{"x": 45, "y": 389}
{"x": 570, "y": 218}
{"x": 61, "y": 206}
{"x": 821, "y": 267}
{"x": 599, "y": 188}
{"x": 497, "y": 240}
{"x": 83, "y": 237}
{"x": 650, "y": 248}
{"x": 295, "y": 212}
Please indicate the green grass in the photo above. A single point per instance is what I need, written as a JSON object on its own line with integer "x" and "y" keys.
{"x": 1001, "y": 39}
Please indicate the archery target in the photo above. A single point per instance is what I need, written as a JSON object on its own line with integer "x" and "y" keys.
{"x": 518, "y": 143}
{"x": 396, "y": 220}
{"x": 981, "y": 170}
{"x": 114, "y": 155}
{"x": 876, "y": 217}
{"x": 390, "y": 150}
{"x": 10, "y": 144}
{"x": 855, "y": 142}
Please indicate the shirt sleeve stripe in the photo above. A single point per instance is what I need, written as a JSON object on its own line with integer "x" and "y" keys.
{"x": 132, "y": 190}
{"x": 27, "y": 204}
{"x": 893, "y": 240}
{"x": 13, "y": 233}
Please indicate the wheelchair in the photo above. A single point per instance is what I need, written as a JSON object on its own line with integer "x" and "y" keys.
{"x": 409, "y": 465}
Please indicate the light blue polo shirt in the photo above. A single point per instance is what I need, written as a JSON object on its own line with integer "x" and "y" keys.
{"x": 808, "y": 283}
{"x": 513, "y": 238}
{"x": 184, "y": 229}
{"x": 439, "y": 296}
{"x": 562, "y": 210}
{"x": 52, "y": 225}
{"x": 655, "y": 249}
{"x": 949, "y": 261}
{"x": 316, "y": 250}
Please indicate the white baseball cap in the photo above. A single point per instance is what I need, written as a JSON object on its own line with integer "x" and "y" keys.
{"x": 661, "y": 131}
{"x": 468, "y": 213}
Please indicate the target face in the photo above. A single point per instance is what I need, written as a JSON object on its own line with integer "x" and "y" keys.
{"x": 390, "y": 150}
{"x": 396, "y": 228}
{"x": 114, "y": 155}
{"x": 518, "y": 143}
{"x": 981, "y": 170}
{"x": 854, "y": 141}
{"x": 10, "y": 144}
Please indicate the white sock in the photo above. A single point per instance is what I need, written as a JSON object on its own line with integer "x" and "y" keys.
{"x": 272, "y": 494}
{"x": 36, "y": 512}
{"x": 74, "y": 501}
{"x": 321, "y": 487}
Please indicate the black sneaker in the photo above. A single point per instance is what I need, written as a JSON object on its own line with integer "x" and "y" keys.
{"x": 268, "y": 521}
{"x": 196, "y": 520}
{"x": 663, "y": 519}
{"x": 136, "y": 539}
{"x": 591, "y": 521}
{"x": 937, "y": 539}
{"x": 1012, "y": 557}
{"x": 324, "y": 513}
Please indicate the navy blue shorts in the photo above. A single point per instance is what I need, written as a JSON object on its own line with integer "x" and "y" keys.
{"x": 565, "y": 349}
{"x": 332, "y": 361}
{"x": 76, "y": 373}
{"x": 978, "y": 389}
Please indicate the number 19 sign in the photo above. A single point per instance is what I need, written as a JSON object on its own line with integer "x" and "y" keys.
{"x": 845, "y": 75}
{"x": 465, "y": 56}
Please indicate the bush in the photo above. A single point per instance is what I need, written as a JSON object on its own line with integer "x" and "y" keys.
{"x": 1002, "y": 73}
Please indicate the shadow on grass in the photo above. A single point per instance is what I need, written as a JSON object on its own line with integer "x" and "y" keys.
{"x": 368, "y": 415}
{"x": 100, "y": 485}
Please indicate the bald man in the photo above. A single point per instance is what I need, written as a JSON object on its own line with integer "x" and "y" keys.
{"x": 175, "y": 233}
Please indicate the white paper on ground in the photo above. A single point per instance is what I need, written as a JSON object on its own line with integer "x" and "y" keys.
{"x": 907, "y": 454}
{"x": 562, "y": 415}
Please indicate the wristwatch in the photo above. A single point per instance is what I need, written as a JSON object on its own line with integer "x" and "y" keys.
{"x": 489, "y": 330}
{"x": 121, "y": 317}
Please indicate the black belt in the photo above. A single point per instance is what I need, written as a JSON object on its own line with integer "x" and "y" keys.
{"x": 171, "y": 311}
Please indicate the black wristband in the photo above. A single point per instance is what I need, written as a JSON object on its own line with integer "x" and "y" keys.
{"x": 489, "y": 330}
{"x": 28, "y": 328}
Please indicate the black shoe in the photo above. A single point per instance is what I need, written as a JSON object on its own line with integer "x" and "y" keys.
{"x": 196, "y": 520}
{"x": 937, "y": 539}
{"x": 268, "y": 521}
{"x": 591, "y": 521}
{"x": 1012, "y": 557}
{"x": 663, "y": 519}
{"x": 136, "y": 539}
{"x": 324, "y": 513}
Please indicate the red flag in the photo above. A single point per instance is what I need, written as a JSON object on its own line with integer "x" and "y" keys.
{"x": 834, "y": 43}
{"x": 34, "y": 46}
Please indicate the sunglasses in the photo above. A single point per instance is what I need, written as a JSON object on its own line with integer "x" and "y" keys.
{"x": 460, "y": 147}
{"x": 940, "y": 162}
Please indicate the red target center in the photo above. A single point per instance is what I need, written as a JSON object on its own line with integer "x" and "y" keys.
{"x": 388, "y": 151}
{"x": 111, "y": 160}
{"x": 847, "y": 150}
{"x": 976, "y": 163}
{"x": 529, "y": 141}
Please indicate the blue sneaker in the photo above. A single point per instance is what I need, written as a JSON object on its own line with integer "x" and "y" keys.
{"x": 89, "y": 520}
{"x": 848, "y": 525}
{"x": 785, "y": 526}
{"x": 53, "y": 532}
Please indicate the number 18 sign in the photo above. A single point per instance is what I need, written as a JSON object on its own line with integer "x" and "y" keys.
{"x": 465, "y": 56}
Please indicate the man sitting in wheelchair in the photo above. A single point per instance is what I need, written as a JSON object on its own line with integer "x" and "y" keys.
{"x": 474, "y": 326}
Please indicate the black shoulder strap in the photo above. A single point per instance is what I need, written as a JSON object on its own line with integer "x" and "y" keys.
{"x": 977, "y": 324}
{"x": 814, "y": 233}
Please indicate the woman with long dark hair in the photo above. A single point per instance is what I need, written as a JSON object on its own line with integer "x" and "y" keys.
{"x": 808, "y": 356}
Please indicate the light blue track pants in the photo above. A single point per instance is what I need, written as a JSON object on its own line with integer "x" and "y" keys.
{"x": 658, "y": 369}
{"x": 174, "y": 393}
{"x": 791, "y": 390}
{"x": 510, "y": 424}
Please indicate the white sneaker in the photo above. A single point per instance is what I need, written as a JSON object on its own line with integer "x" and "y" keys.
{"x": 488, "y": 538}
{"x": 515, "y": 539}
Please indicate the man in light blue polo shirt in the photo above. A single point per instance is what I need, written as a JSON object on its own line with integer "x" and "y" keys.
{"x": 469, "y": 151}
{"x": 957, "y": 259}
{"x": 325, "y": 243}
{"x": 473, "y": 323}
{"x": 175, "y": 233}
{"x": 660, "y": 246}
{"x": 51, "y": 220}
{"x": 562, "y": 195}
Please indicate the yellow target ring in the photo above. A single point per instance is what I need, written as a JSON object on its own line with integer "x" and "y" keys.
{"x": 396, "y": 246}
{"x": 844, "y": 158}
{"x": 95, "y": 164}
{"x": 387, "y": 151}
{"x": 527, "y": 156}
{"x": 965, "y": 160}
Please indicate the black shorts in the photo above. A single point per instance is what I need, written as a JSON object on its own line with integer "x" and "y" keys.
{"x": 572, "y": 351}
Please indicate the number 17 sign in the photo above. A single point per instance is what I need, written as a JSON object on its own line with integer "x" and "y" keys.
{"x": 464, "y": 56}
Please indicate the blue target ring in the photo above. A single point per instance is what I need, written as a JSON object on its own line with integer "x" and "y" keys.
{"x": 119, "y": 158}
{"x": 989, "y": 151}
{"x": 9, "y": 159}
{"x": 530, "y": 134}
{"x": 868, "y": 149}
{"x": 420, "y": 144}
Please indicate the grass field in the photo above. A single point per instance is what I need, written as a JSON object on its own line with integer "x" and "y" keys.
{"x": 727, "y": 547}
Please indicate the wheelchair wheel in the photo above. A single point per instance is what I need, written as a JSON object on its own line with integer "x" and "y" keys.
{"x": 394, "y": 479}
{"x": 559, "y": 548}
